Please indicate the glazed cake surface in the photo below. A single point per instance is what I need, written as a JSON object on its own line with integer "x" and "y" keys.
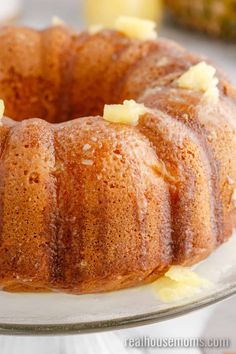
{"x": 87, "y": 205}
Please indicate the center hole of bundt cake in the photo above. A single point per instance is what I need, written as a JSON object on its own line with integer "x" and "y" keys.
{"x": 56, "y": 76}
{"x": 24, "y": 99}
{"x": 54, "y": 110}
{"x": 57, "y": 88}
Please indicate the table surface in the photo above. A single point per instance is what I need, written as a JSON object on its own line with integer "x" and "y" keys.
{"x": 215, "y": 321}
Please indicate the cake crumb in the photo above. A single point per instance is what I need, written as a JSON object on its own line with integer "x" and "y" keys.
{"x": 83, "y": 263}
{"x": 233, "y": 197}
{"x": 230, "y": 180}
{"x": 87, "y": 162}
{"x": 212, "y": 136}
{"x": 2, "y": 108}
{"x": 163, "y": 62}
{"x": 86, "y": 147}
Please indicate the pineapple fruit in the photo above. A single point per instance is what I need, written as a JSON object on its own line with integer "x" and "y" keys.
{"x": 105, "y": 12}
{"x": 216, "y": 17}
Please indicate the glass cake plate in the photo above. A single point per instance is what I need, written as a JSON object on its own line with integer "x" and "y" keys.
{"x": 29, "y": 313}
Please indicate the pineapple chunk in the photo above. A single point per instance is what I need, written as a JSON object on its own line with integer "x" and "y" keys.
{"x": 57, "y": 21}
{"x": 184, "y": 274}
{"x": 201, "y": 77}
{"x": 179, "y": 282}
{"x": 212, "y": 93}
{"x": 126, "y": 113}
{"x": 94, "y": 29}
{"x": 2, "y": 108}
{"x": 198, "y": 77}
{"x": 170, "y": 290}
{"x": 136, "y": 28}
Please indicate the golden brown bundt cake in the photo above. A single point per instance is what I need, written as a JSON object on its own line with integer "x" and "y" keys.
{"x": 88, "y": 205}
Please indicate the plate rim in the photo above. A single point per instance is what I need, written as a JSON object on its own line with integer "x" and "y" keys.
{"x": 117, "y": 323}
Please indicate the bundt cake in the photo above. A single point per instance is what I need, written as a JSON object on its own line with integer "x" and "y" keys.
{"x": 94, "y": 201}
